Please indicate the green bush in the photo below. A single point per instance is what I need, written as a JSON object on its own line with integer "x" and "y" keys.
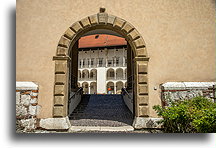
{"x": 196, "y": 115}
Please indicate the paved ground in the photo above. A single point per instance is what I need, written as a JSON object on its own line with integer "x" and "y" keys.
{"x": 101, "y": 110}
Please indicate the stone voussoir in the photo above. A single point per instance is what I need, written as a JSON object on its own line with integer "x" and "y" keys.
{"x": 62, "y": 51}
{"x": 85, "y": 22}
{"x": 141, "y": 52}
{"x": 118, "y": 23}
{"x": 93, "y": 19}
{"x": 76, "y": 27}
{"x": 102, "y": 18}
{"x": 127, "y": 28}
{"x": 139, "y": 42}
{"x": 133, "y": 34}
{"x": 65, "y": 42}
{"x": 69, "y": 33}
{"x": 110, "y": 20}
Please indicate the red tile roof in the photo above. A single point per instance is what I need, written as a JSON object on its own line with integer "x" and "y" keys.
{"x": 100, "y": 40}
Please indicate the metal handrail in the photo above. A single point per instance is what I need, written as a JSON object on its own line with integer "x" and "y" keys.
{"x": 124, "y": 90}
{"x": 80, "y": 89}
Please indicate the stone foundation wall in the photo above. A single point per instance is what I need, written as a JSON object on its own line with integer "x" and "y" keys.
{"x": 27, "y": 107}
{"x": 186, "y": 90}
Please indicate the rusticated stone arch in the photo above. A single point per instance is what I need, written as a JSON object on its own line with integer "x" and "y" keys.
{"x": 101, "y": 20}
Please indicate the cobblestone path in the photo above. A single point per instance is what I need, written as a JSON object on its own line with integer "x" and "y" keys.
{"x": 101, "y": 110}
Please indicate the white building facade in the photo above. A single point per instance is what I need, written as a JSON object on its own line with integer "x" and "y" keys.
{"x": 102, "y": 70}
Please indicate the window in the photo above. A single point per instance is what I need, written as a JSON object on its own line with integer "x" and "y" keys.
{"x": 117, "y": 61}
{"x": 109, "y": 62}
{"x": 80, "y": 63}
{"x": 100, "y": 62}
{"x": 92, "y": 62}
{"x": 88, "y": 62}
{"x": 83, "y": 62}
{"x": 112, "y": 74}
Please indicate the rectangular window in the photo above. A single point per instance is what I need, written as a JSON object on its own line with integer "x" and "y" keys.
{"x": 88, "y": 62}
{"x": 100, "y": 62}
{"x": 92, "y": 62}
{"x": 117, "y": 61}
{"x": 83, "y": 62}
{"x": 80, "y": 63}
{"x": 109, "y": 62}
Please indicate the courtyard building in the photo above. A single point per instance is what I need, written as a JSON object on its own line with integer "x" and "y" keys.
{"x": 102, "y": 64}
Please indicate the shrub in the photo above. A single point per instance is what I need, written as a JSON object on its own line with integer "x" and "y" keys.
{"x": 196, "y": 115}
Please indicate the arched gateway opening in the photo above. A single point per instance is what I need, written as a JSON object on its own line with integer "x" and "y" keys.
{"x": 66, "y": 78}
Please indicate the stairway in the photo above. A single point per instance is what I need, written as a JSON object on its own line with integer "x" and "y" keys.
{"x": 101, "y": 110}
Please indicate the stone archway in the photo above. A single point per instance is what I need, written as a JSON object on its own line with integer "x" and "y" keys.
{"x": 101, "y": 20}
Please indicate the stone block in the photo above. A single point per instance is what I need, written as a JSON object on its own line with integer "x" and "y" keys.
{"x": 59, "y": 90}
{"x": 76, "y": 27}
{"x": 127, "y": 27}
{"x": 62, "y": 51}
{"x": 142, "y": 78}
{"x": 118, "y": 23}
{"x": 17, "y": 97}
{"x": 28, "y": 124}
{"x": 60, "y": 78}
{"x": 34, "y": 94}
{"x": 25, "y": 100}
{"x": 139, "y": 42}
{"x": 141, "y": 52}
{"x": 69, "y": 33}
{"x": 93, "y": 19}
{"x": 33, "y": 101}
{"x": 102, "y": 18}
{"x": 146, "y": 122}
{"x": 59, "y": 100}
{"x": 110, "y": 20}
{"x": 58, "y": 111}
{"x": 143, "y": 99}
{"x": 85, "y": 22}
{"x": 133, "y": 34}
{"x": 143, "y": 111}
{"x": 55, "y": 123}
{"x": 33, "y": 110}
{"x": 142, "y": 68}
{"x": 64, "y": 42}
{"x": 142, "y": 89}
{"x": 60, "y": 66}
{"x": 21, "y": 110}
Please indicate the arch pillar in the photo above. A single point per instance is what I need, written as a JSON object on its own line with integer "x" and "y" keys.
{"x": 141, "y": 87}
{"x": 61, "y": 86}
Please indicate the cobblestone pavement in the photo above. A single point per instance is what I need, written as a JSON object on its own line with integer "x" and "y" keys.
{"x": 101, "y": 110}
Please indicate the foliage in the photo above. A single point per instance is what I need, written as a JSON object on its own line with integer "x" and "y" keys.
{"x": 196, "y": 115}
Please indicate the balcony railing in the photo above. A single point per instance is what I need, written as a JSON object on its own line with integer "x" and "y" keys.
{"x": 116, "y": 78}
{"x": 120, "y": 64}
{"x": 87, "y": 79}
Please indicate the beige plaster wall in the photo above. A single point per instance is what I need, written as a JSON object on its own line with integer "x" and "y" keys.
{"x": 179, "y": 35}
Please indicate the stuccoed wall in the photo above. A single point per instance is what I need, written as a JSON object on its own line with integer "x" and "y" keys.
{"x": 179, "y": 36}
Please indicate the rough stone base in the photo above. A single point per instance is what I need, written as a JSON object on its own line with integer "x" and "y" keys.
{"x": 55, "y": 123}
{"x": 146, "y": 122}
